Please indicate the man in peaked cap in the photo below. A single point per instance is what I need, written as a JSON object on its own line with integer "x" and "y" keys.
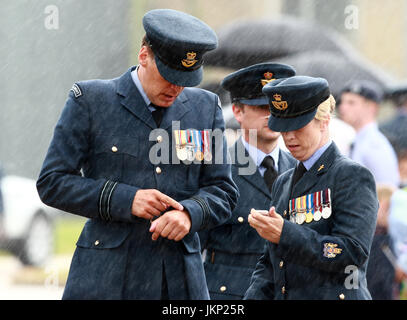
{"x": 395, "y": 128}
{"x": 360, "y": 102}
{"x": 141, "y": 240}
{"x": 320, "y": 226}
{"x": 232, "y": 249}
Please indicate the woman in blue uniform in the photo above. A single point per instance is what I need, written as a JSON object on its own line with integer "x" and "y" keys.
{"x": 320, "y": 226}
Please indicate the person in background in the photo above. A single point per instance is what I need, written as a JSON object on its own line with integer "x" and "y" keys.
{"x": 398, "y": 233}
{"x": 382, "y": 265}
{"x": 359, "y": 106}
{"x": 395, "y": 129}
{"x": 233, "y": 248}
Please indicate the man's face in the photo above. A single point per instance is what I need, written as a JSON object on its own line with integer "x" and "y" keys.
{"x": 303, "y": 143}
{"x": 160, "y": 92}
{"x": 352, "y": 108}
{"x": 255, "y": 117}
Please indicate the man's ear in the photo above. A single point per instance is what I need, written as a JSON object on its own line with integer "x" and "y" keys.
{"x": 237, "y": 112}
{"x": 143, "y": 56}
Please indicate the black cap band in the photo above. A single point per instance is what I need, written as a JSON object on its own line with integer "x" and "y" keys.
{"x": 179, "y": 59}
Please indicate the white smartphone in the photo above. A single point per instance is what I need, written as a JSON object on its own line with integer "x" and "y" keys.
{"x": 263, "y": 212}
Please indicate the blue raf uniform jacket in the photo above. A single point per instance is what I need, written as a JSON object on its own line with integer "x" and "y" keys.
{"x": 233, "y": 249}
{"x": 323, "y": 259}
{"x": 99, "y": 158}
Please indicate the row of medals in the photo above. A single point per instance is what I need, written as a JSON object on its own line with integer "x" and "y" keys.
{"x": 302, "y": 215}
{"x": 190, "y": 152}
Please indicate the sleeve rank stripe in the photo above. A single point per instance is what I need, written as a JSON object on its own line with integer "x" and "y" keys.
{"x": 100, "y": 200}
{"x": 104, "y": 201}
{"x": 108, "y": 200}
{"x": 205, "y": 210}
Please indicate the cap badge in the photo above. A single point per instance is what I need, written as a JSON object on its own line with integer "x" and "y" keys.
{"x": 268, "y": 78}
{"x": 190, "y": 60}
{"x": 278, "y": 104}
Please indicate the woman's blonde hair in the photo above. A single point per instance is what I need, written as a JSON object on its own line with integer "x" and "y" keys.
{"x": 326, "y": 109}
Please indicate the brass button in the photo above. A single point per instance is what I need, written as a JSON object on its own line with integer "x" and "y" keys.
{"x": 114, "y": 149}
{"x": 285, "y": 213}
{"x": 97, "y": 242}
{"x": 283, "y": 290}
{"x": 158, "y": 170}
{"x": 240, "y": 219}
{"x": 159, "y": 139}
{"x": 281, "y": 264}
{"x": 222, "y": 288}
{"x": 342, "y": 296}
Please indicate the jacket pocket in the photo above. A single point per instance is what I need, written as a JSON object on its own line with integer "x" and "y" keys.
{"x": 227, "y": 280}
{"x": 103, "y": 235}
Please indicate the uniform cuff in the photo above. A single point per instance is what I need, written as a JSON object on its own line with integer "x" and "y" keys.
{"x": 197, "y": 211}
{"x": 121, "y": 201}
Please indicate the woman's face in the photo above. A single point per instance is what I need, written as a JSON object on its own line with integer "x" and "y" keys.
{"x": 303, "y": 143}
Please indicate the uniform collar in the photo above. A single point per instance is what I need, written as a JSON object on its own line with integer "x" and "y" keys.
{"x": 258, "y": 155}
{"x": 132, "y": 100}
{"x": 136, "y": 80}
{"x": 372, "y": 126}
{"x": 317, "y": 154}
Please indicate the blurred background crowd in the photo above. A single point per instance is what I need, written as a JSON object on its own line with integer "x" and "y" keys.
{"x": 359, "y": 46}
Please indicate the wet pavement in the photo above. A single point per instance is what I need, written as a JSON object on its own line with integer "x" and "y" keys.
{"x": 18, "y": 282}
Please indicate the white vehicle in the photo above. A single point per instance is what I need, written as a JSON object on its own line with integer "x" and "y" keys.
{"x": 26, "y": 224}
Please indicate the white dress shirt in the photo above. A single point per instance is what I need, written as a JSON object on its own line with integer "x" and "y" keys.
{"x": 258, "y": 156}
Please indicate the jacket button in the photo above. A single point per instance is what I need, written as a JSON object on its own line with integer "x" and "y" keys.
{"x": 97, "y": 242}
{"x": 283, "y": 289}
{"x": 158, "y": 170}
{"x": 240, "y": 219}
{"x": 342, "y": 296}
{"x": 114, "y": 149}
{"x": 159, "y": 139}
{"x": 281, "y": 264}
{"x": 222, "y": 288}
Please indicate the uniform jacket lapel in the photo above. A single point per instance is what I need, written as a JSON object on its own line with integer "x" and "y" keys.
{"x": 176, "y": 111}
{"x": 132, "y": 100}
{"x": 311, "y": 177}
{"x": 285, "y": 162}
{"x": 255, "y": 179}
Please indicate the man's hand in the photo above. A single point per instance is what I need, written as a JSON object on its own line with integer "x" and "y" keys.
{"x": 173, "y": 225}
{"x": 150, "y": 203}
{"x": 269, "y": 226}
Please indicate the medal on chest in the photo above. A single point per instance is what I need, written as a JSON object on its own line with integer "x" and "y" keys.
{"x": 311, "y": 207}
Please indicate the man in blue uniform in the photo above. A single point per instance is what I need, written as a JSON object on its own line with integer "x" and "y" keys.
{"x": 359, "y": 107}
{"x": 320, "y": 226}
{"x": 110, "y": 160}
{"x": 234, "y": 247}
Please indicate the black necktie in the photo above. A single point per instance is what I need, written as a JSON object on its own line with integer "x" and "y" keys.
{"x": 157, "y": 114}
{"x": 298, "y": 173}
{"x": 351, "y": 149}
{"x": 270, "y": 174}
